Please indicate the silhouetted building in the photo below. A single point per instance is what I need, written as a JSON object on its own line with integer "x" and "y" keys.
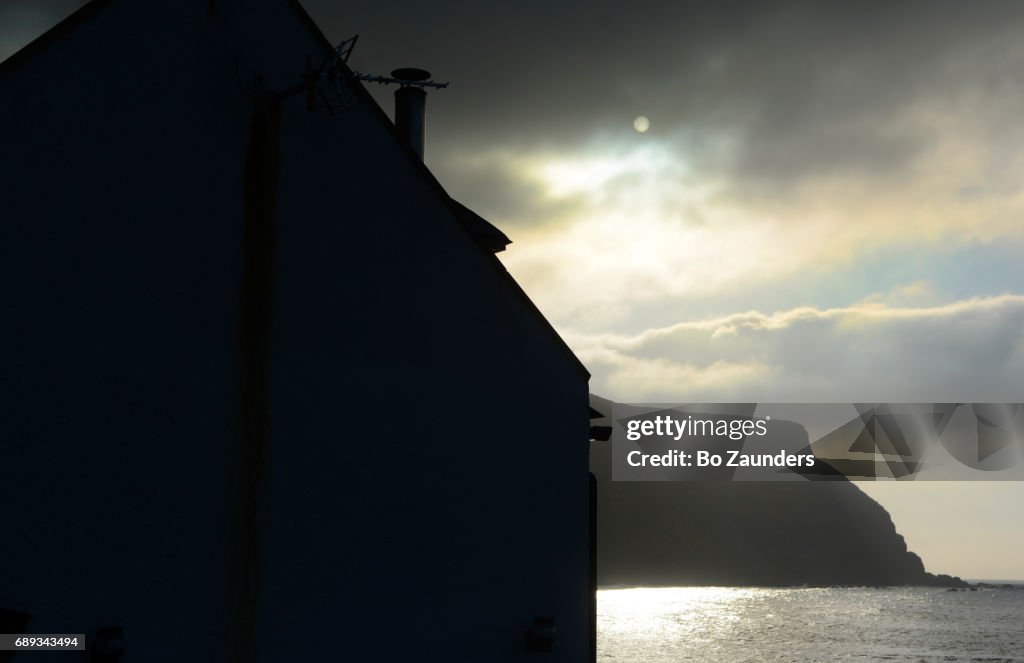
{"x": 267, "y": 392}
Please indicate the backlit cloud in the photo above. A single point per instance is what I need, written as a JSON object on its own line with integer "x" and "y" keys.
{"x": 969, "y": 350}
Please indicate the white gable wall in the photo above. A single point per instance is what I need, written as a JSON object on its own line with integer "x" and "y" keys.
{"x": 423, "y": 417}
{"x": 120, "y": 239}
{"x": 425, "y": 485}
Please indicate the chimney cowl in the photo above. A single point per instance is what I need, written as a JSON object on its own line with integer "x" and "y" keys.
{"x": 410, "y": 74}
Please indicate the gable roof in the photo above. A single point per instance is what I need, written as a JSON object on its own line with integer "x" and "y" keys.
{"x": 485, "y": 235}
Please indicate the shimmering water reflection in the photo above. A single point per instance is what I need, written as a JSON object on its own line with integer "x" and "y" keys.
{"x": 663, "y": 625}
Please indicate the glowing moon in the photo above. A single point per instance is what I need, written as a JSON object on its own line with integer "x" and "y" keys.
{"x": 641, "y": 124}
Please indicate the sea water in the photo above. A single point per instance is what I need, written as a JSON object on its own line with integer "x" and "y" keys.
{"x": 663, "y": 625}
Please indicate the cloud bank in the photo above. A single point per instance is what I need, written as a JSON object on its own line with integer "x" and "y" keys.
{"x": 969, "y": 350}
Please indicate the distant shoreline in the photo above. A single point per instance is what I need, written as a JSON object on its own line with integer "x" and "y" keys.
{"x": 979, "y": 581}
{"x": 973, "y": 584}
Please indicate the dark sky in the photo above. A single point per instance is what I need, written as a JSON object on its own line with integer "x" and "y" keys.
{"x": 801, "y": 85}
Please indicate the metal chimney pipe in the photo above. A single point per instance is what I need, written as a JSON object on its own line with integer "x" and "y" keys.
{"x": 410, "y": 108}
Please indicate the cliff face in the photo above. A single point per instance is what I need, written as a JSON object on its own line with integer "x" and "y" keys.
{"x": 747, "y": 533}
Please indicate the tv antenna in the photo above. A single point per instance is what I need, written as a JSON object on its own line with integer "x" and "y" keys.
{"x": 336, "y": 94}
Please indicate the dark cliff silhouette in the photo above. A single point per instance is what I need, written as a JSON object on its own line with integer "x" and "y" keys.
{"x": 747, "y": 533}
